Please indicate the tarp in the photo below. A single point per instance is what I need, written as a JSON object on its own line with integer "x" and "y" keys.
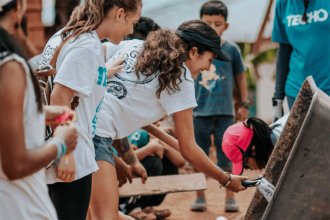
{"x": 245, "y": 16}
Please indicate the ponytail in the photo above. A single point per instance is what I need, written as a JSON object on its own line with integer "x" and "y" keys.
{"x": 261, "y": 140}
{"x": 87, "y": 17}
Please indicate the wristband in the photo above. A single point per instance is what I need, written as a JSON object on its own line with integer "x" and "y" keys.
{"x": 60, "y": 147}
{"x": 245, "y": 104}
{"x": 226, "y": 184}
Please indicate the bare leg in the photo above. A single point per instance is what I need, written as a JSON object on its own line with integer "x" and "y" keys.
{"x": 105, "y": 196}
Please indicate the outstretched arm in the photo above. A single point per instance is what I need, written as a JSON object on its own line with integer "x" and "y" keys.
{"x": 194, "y": 154}
{"x": 163, "y": 136}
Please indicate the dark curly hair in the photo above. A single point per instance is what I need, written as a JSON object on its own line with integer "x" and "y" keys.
{"x": 164, "y": 54}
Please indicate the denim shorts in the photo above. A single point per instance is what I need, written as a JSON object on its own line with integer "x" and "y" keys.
{"x": 217, "y": 125}
{"x": 103, "y": 149}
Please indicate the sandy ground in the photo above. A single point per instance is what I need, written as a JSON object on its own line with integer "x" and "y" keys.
{"x": 179, "y": 203}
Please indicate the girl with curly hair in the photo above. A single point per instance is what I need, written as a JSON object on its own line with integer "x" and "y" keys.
{"x": 157, "y": 80}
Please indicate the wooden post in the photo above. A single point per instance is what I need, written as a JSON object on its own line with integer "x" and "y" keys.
{"x": 35, "y": 26}
{"x": 257, "y": 44}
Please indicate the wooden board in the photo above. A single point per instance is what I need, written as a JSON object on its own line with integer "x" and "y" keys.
{"x": 164, "y": 184}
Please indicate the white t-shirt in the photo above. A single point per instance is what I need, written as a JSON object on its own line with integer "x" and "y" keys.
{"x": 278, "y": 128}
{"x": 81, "y": 67}
{"x": 131, "y": 102}
{"x": 27, "y": 198}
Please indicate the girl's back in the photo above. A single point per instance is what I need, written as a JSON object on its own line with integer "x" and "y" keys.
{"x": 131, "y": 101}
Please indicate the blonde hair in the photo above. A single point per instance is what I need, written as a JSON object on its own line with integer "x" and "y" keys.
{"x": 87, "y": 17}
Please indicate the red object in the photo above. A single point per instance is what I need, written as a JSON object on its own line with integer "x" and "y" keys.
{"x": 235, "y": 141}
{"x": 64, "y": 118}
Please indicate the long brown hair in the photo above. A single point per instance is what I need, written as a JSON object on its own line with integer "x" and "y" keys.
{"x": 163, "y": 54}
{"x": 89, "y": 16}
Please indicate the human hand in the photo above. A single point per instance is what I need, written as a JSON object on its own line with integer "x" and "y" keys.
{"x": 54, "y": 113}
{"x": 124, "y": 171}
{"x": 115, "y": 66}
{"x": 157, "y": 148}
{"x": 139, "y": 170}
{"x": 277, "y": 109}
{"x": 68, "y": 133}
{"x": 236, "y": 183}
{"x": 242, "y": 113}
{"x": 66, "y": 168}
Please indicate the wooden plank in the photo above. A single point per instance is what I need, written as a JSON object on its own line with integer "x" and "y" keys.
{"x": 164, "y": 184}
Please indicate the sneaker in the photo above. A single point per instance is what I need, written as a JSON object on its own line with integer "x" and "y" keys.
{"x": 199, "y": 205}
{"x": 231, "y": 206}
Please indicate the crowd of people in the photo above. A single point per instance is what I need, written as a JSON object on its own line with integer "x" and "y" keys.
{"x": 110, "y": 78}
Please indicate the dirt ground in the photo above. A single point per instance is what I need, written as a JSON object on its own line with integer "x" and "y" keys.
{"x": 179, "y": 203}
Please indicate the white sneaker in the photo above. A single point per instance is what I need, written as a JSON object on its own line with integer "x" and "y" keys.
{"x": 231, "y": 206}
{"x": 199, "y": 205}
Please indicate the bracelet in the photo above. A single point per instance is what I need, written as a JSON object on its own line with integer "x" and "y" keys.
{"x": 226, "y": 184}
{"x": 245, "y": 104}
{"x": 60, "y": 147}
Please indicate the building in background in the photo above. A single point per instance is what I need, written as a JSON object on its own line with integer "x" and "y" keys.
{"x": 35, "y": 26}
{"x": 250, "y": 24}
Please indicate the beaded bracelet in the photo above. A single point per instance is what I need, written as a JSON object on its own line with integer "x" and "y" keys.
{"x": 60, "y": 147}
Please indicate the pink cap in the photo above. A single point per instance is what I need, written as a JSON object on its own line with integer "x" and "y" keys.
{"x": 235, "y": 141}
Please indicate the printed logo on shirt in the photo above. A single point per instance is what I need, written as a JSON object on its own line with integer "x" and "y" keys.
{"x": 117, "y": 89}
{"x": 130, "y": 60}
{"x": 47, "y": 56}
{"x": 102, "y": 77}
{"x": 210, "y": 78}
{"x": 101, "y": 81}
{"x": 94, "y": 121}
{"x": 315, "y": 16}
{"x": 129, "y": 74}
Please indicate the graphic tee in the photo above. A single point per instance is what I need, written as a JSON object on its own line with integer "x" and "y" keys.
{"x": 214, "y": 88}
{"x": 309, "y": 40}
{"x": 131, "y": 102}
{"x": 80, "y": 67}
{"x": 27, "y": 198}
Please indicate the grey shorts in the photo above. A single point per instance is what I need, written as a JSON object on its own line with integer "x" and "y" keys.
{"x": 103, "y": 149}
